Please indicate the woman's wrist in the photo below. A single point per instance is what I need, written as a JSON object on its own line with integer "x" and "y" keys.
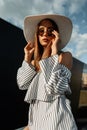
{"x": 54, "y": 52}
{"x": 27, "y": 59}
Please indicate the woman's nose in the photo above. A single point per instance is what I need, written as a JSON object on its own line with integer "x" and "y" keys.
{"x": 45, "y": 32}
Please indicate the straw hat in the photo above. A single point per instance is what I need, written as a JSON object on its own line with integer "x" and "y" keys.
{"x": 64, "y": 24}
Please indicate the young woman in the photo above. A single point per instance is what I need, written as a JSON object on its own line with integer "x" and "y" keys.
{"x": 45, "y": 72}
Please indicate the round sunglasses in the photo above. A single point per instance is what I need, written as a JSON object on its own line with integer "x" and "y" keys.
{"x": 49, "y": 31}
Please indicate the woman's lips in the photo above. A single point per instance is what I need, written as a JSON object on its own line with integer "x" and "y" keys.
{"x": 45, "y": 39}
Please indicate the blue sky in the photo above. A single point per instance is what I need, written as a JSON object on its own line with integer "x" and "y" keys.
{"x": 14, "y": 12}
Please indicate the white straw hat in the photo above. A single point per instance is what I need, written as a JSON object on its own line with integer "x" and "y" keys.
{"x": 64, "y": 24}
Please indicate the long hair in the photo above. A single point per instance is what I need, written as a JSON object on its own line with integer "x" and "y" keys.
{"x": 38, "y": 52}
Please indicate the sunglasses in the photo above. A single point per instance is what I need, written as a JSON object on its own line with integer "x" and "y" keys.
{"x": 49, "y": 31}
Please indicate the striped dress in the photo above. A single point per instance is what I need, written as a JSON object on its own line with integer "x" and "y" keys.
{"x": 49, "y": 108}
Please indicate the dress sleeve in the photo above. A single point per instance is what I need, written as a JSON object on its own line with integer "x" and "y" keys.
{"x": 25, "y": 75}
{"x": 57, "y": 76}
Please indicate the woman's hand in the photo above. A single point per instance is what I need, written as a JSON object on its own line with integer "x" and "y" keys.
{"x": 55, "y": 42}
{"x": 52, "y": 47}
{"x": 28, "y": 50}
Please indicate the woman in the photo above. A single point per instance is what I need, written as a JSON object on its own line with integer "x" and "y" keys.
{"x": 46, "y": 72}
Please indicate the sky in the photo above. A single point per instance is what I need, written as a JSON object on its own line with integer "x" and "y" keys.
{"x": 14, "y": 11}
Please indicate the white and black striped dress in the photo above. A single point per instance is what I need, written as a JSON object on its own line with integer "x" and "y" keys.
{"x": 49, "y": 107}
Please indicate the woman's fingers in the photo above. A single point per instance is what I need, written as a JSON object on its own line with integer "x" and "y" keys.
{"x": 32, "y": 50}
{"x": 56, "y": 34}
{"x": 28, "y": 48}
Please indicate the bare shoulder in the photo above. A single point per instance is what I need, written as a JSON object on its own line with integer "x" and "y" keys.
{"x": 65, "y": 58}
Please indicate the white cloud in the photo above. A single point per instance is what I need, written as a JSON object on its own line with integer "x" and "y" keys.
{"x": 82, "y": 45}
{"x": 14, "y": 11}
{"x": 58, "y": 6}
{"x": 76, "y": 6}
{"x": 18, "y": 9}
{"x": 78, "y": 44}
{"x": 1, "y": 2}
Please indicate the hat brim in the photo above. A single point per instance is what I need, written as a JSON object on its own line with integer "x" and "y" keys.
{"x": 64, "y": 24}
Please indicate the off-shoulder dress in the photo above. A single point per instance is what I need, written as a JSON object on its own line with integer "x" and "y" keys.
{"x": 46, "y": 93}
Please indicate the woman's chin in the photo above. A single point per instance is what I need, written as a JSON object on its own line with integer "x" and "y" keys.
{"x": 44, "y": 44}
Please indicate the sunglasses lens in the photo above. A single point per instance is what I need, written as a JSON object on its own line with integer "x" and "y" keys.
{"x": 41, "y": 31}
{"x": 49, "y": 31}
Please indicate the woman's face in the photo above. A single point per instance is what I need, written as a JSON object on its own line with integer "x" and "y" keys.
{"x": 45, "y": 33}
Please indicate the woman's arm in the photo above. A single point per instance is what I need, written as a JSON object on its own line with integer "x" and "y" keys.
{"x": 56, "y": 73}
{"x": 25, "y": 75}
{"x": 26, "y": 72}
